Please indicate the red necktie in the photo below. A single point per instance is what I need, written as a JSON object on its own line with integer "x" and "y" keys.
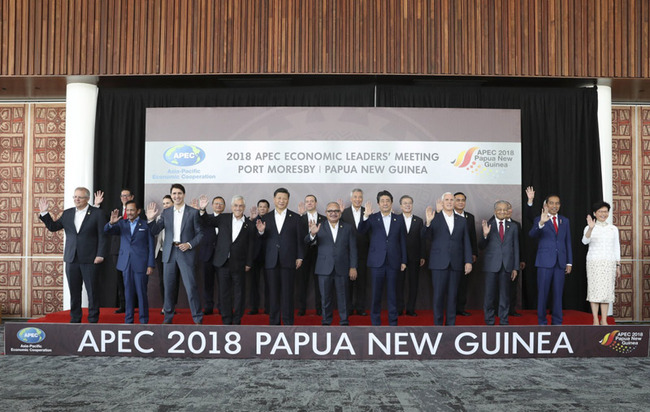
{"x": 555, "y": 224}
{"x": 124, "y": 216}
{"x": 501, "y": 230}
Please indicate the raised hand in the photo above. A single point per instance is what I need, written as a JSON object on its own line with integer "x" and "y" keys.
{"x": 261, "y": 226}
{"x": 99, "y": 198}
{"x": 152, "y": 211}
{"x": 429, "y": 214}
{"x": 115, "y": 217}
{"x": 301, "y": 208}
{"x": 313, "y": 228}
{"x": 253, "y": 213}
{"x": 43, "y": 205}
{"x": 439, "y": 205}
{"x": 368, "y": 211}
{"x": 194, "y": 204}
{"x": 591, "y": 222}
{"x": 486, "y": 228}
{"x": 203, "y": 202}
{"x": 341, "y": 205}
{"x": 530, "y": 192}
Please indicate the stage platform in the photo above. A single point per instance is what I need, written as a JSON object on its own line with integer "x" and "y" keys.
{"x": 424, "y": 318}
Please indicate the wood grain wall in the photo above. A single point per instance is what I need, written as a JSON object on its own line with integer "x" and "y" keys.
{"x": 556, "y": 38}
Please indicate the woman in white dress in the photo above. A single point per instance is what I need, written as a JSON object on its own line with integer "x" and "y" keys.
{"x": 603, "y": 261}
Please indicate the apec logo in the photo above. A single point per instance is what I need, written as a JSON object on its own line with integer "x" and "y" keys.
{"x": 31, "y": 335}
{"x": 184, "y": 155}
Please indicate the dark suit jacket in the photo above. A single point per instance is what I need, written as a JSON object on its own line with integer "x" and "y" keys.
{"x": 552, "y": 247}
{"x": 208, "y": 241}
{"x": 90, "y": 242}
{"x": 286, "y": 247}
{"x": 446, "y": 249}
{"x": 522, "y": 255}
{"x": 471, "y": 230}
{"x": 389, "y": 250}
{"x": 190, "y": 232}
{"x": 363, "y": 241}
{"x": 340, "y": 255}
{"x": 239, "y": 253}
{"x": 498, "y": 253}
{"x": 304, "y": 219}
{"x": 137, "y": 249}
{"x": 415, "y": 244}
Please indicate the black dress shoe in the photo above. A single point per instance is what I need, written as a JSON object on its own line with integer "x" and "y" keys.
{"x": 515, "y": 314}
{"x": 119, "y": 310}
{"x": 463, "y": 313}
{"x": 411, "y": 313}
{"x": 253, "y": 312}
{"x": 199, "y": 322}
{"x": 350, "y": 312}
{"x": 207, "y": 311}
{"x": 167, "y": 322}
{"x": 301, "y": 312}
{"x": 362, "y": 313}
{"x": 319, "y": 312}
{"x": 162, "y": 312}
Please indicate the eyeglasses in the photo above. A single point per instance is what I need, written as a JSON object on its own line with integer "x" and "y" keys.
{"x": 80, "y": 197}
{"x": 333, "y": 211}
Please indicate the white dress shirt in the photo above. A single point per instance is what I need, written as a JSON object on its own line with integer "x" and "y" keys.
{"x": 279, "y": 219}
{"x": 407, "y": 221}
{"x": 178, "y": 222}
{"x": 335, "y": 230}
{"x": 386, "y": 220}
{"x": 237, "y": 224}
{"x": 450, "y": 221}
{"x": 79, "y": 216}
{"x": 356, "y": 214}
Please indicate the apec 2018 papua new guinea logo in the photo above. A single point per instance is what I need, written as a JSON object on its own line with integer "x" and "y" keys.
{"x": 184, "y": 155}
{"x": 622, "y": 342}
{"x": 484, "y": 161}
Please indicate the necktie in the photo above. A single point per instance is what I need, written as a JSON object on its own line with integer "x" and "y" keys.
{"x": 501, "y": 230}
{"x": 555, "y": 224}
{"x": 124, "y": 215}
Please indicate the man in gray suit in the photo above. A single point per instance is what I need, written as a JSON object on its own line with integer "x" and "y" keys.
{"x": 182, "y": 235}
{"x": 500, "y": 263}
{"x": 336, "y": 261}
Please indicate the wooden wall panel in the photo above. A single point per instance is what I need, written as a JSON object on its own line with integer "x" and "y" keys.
{"x": 555, "y": 38}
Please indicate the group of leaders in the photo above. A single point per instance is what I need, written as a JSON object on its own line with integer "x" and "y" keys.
{"x": 338, "y": 250}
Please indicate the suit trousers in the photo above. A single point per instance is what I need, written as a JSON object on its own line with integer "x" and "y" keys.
{"x": 210, "y": 278}
{"x": 380, "y": 276}
{"x": 135, "y": 290}
{"x": 550, "y": 279}
{"x": 80, "y": 274}
{"x": 305, "y": 276}
{"x": 497, "y": 289}
{"x": 411, "y": 275}
{"x": 121, "y": 296}
{"x": 445, "y": 289}
{"x": 172, "y": 267}
{"x": 231, "y": 292}
{"x": 334, "y": 285}
{"x": 281, "y": 282}
{"x": 161, "y": 280}
{"x": 357, "y": 288}
{"x": 461, "y": 295}
{"x": 514, "y": 288}
{"x": 256, "y": 274}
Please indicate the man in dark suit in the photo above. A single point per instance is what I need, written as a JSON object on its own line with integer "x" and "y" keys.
{"x": 460, "y": 200}
{"x": 136, "y": 258}
{"x": 450, "y": 257}
{"x": 387, "y": 254}
{"x": 336, "y": 261}
{"x": 85, "y": 248}
{"x": 233, "y": 255}
{"x": 206, "y": 253}
{"x": 357, "y": 288}
{"x": 182, "y": 235}
{"x": 554, "y": 258}
{"x": 514, "y": 287}
{"x": 167, "y": 202}
{"x": 125, "y": 196}
{"x": 283, "y": 239}
{"x": 258, "y": 272}
{"x": 500, "y": 262}
{"x": 416, "y": 254}
{"x": 306, "y": 271}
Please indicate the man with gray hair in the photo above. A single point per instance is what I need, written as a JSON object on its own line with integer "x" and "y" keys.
{"x": 85, "y": 248}
{"x": 233, "y": 255}
{"x": 353, "y": 216}
{"x": 500, "y": 241}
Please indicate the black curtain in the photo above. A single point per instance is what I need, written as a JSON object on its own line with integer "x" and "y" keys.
{"x": 560, "y": 148}
{"x": 560, "y": 155}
